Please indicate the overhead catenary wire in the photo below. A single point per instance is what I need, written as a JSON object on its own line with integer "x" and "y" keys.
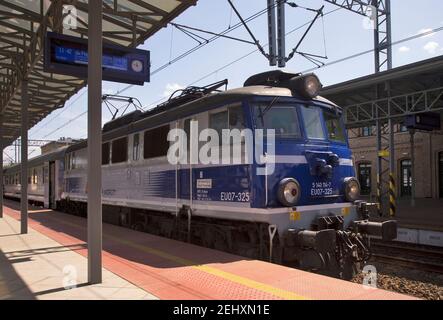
{"x": 356, "y": 55}
{"x": 419, "y": 35}
{"x": 170, "y": 62}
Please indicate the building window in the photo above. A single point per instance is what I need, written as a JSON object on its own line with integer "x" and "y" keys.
{"x": 120, "y": 150}
{"x": 156, "y": 142}
{"x": 364, "y": 177}
{"x": 105, "y": 153}
{"x": 406, "y": 178}
{"x": 402, "y": 128}
{"x": 136, "y": 147}
{"x": 366, "y": 131}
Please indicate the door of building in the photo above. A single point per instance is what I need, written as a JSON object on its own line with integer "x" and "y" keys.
{"x": 364, "y": 177}
{"x": 406, "y": 178}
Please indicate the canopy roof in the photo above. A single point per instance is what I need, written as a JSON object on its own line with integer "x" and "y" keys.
{"x": 395, "y": 93}
{"x": 23, "y": 25}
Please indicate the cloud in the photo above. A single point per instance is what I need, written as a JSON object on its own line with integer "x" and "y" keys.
{"x": 404, "y": 49}
{"x": 171, "y": 88}
{"x": 431, "y": 47}
{"x": 426, "y": 30}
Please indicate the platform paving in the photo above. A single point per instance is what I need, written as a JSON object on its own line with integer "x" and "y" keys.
{"x": 170, "y": 269}
{"x": 34, "y": 266}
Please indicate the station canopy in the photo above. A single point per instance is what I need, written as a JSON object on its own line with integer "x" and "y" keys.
{"x": 23, "y": 25}
{"x": 392, "y": 94}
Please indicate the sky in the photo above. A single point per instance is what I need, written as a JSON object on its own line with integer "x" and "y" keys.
{"x": 339, "y": 34}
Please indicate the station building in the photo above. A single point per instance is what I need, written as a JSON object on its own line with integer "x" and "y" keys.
{"x": 388, "y": 98}
{"x": 428, "y": 161}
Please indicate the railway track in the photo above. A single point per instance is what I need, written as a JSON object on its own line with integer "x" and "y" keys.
{"x": 410, "y": 256}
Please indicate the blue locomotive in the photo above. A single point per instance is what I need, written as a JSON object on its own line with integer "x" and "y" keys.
{"x": 297, "y": 203}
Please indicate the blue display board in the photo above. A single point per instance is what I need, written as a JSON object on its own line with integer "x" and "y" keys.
{"x": 69, "y": 56}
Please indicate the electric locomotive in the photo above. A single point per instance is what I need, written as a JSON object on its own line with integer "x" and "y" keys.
{"x": 297, "y": 206}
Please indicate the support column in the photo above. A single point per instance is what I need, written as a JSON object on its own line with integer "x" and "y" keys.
{"x": 379, "y": 168}
{"x": 1, "y": 165}
{"x": 374, "y": 4}
{"x": 271, "y": 33}
{"x": 24, "y": 159}
{"x": 412, "y": 133}
{"x": 94, "y": 183}
{"x": 281, "y": 33}
{"x": 388, "y": 34}
{"x": 392, "y": 187}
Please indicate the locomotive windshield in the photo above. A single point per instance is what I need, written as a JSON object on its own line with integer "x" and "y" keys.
{"x": 282, "y": 118}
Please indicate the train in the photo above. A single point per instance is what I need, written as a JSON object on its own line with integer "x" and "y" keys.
{"x": 297, "y": 205}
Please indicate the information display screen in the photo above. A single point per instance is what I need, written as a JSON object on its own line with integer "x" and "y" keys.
{"x": 69, "y": 55}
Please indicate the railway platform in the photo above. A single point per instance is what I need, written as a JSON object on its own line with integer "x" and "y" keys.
{"x": 142, "y": 266}
{"x": 419, "y": 224}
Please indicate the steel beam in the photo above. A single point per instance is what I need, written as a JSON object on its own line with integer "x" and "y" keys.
{"x": 95, "y": 44}
{"x": 381, "y": 19}
{"x": 281, "y": 33}
{"x": 24, "y": 159}
{"x": 272, "y": 33}
{"x": 397, "y": 107}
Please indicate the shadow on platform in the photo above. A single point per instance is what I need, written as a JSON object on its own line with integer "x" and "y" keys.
{"x": 135, "y": 246}
{"x": 12, "y": 287}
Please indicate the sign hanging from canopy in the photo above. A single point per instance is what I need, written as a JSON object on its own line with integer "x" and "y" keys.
{"x": 68, "y": 55}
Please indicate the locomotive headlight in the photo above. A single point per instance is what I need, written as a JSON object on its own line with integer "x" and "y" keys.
{"x": 352, "y": 189}
{"x": 289, "y": 192}
{"x": 312, "y": 85}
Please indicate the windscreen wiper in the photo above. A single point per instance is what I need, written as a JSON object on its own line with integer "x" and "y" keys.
{"x": 263, "y": 112}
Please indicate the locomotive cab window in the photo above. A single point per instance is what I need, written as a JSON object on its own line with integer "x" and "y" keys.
{"x": 120, "y": 150}
{"x": 232, "y": 118}
{"x": 105, "y": 153}
{"x": 334, "y": 127}
{"x": 187, "y": 129}
{"x": 136, "y": 147}
{"x": 156, "y": 142}
{"x": 282, "y": 118}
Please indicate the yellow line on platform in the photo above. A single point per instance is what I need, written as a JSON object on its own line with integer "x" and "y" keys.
{"x": 281, "y": 293}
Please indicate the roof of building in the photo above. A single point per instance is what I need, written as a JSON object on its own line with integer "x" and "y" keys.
{"x": 395, "y": 93}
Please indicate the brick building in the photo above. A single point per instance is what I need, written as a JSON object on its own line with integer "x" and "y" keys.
{"x": 428, "y": 161}
{"x": 394, "y": 94}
